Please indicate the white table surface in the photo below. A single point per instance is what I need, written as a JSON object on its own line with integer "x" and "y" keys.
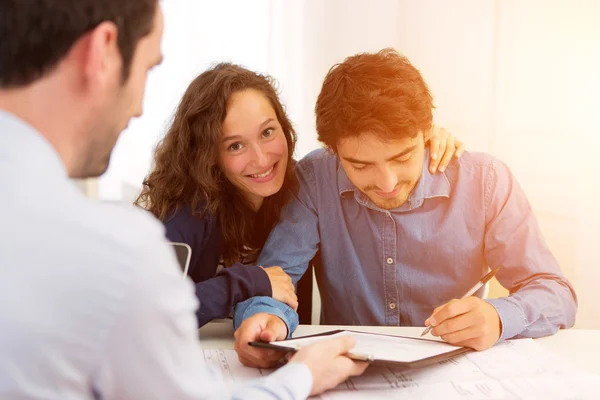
{"x": 581, "y": 347}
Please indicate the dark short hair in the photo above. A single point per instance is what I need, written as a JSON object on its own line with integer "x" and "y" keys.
{"x": 36, "y": 34}
{"x": 380, "y": 93}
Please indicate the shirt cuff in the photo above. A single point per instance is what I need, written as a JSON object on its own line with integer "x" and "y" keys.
{"x": 297, "y": 379}
{"x": 255, "y": 305}
{"x": 512, "y": 319}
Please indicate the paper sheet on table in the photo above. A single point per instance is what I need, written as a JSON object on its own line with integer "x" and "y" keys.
{"x": 514, "y": 370}
{"x": 381, "y": 347}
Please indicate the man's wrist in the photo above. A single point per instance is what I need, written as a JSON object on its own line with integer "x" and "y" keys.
{"x": 510, "y": 315}
{"x": 255, "y": 305}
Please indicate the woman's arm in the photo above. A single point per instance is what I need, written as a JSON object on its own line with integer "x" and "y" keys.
{"x": 232, "y": 285}
{"x": 216, "y": 294}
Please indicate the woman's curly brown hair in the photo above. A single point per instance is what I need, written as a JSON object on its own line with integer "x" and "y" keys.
{"x": 186, "y": 171}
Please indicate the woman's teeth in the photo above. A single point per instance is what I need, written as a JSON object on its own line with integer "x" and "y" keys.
{"x": 264, "y": 174}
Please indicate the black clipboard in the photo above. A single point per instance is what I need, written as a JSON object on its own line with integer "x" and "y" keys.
{"x": 385, "y": 363}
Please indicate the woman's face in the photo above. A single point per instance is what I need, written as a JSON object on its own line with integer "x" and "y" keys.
{"x": 254, "y": 151}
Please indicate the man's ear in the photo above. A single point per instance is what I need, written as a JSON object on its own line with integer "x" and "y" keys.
{"x": 428, "y": 133}
{"x": 101, "y": 56}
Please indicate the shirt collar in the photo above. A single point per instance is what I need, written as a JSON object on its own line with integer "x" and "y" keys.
{"x": 25, "y": 147}
{"x": 344, "y": 184}
{"x": 428, "y": 186}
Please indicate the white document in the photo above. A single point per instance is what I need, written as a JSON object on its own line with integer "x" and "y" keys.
{"x": 514, "y": 370}
{"x": 519, "y": 369}
{"x": 381, "y": 347}
{"x": 228, "y": 364}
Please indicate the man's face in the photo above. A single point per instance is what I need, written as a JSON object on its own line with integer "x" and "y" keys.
{"x": 117, "y": 101}
{"x": 386, "y": 171}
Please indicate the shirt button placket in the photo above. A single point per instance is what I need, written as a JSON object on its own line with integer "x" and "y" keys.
{"x": 392, "y": 312}
{"x": 390, "y": 261}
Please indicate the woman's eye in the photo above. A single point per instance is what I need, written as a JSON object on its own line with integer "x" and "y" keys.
{"x": 235, "y": 147}
{"x": 359, "y": 168}
{"x": 268, "y": 133}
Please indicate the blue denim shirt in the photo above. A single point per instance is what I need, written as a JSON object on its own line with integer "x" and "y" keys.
{"x": 393, "y": 267}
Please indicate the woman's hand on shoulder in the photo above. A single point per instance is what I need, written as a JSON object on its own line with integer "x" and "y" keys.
{"x": 443, "y": 146}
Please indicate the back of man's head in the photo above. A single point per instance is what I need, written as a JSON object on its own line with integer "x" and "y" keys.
{"x": 381, "y": 93}
{"x": 75, "y": 70}
{"x": 36, "y": 34}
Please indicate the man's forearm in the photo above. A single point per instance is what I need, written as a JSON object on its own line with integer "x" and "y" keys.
{"x": 538, "y": 309}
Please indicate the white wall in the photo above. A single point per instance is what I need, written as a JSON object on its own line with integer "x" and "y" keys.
{"x": 548, "y": 127}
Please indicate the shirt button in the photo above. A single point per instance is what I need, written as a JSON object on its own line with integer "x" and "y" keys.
{"x": 390, "y": 260}
{"x": 392, "y": 305}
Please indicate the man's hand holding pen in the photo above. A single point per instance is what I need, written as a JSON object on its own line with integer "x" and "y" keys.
{"x": 470, "y": 322}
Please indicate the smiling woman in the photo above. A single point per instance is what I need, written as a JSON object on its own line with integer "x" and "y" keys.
{"x": 254, "y": 152}
{"x": 220, "y": 178}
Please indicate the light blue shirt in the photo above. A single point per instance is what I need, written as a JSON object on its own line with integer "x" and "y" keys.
{"x": 393, "y": 267}
{"x": 92, "y": 301}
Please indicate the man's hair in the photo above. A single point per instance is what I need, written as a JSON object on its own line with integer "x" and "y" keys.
{"x": 36, "y": 34}
{"x": 381, "y": 94}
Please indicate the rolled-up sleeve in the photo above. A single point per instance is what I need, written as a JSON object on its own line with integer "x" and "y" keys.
{"x": 541, "y": 299}
{"x": 291, "y": 245}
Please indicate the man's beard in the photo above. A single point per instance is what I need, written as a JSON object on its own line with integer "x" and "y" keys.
{"x": 95, "y": 157}
{"x": 391, "y": 203}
